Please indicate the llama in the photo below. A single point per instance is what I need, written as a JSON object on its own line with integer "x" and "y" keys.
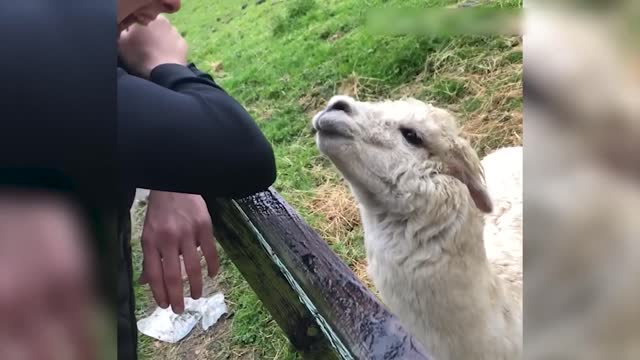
{"x": 422, "y": 199}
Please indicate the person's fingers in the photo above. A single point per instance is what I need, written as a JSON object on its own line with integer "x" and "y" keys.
{"x": 32, "y": 318}
{"x": 44, "y": 342}
{"x": 42, "y": 270}
{"x": 58, "y": 316}
{"x": 173, "y": 279}
{"x": 79, "y": 332}
{"x": 143, "y": 278}
{"x": 20, "y": 309}
{"x": 72, "y": 315}
{"x": 209, "y": 251}
{"x": 16, "y": 335}
{"x": 192, "y": 267}
{"x": 153, "y": 275}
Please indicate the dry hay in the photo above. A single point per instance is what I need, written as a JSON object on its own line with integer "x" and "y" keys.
{"x": 359, "y": 87}
{"x": 312, "y": 102}
{"x": 337, "y": 206}
{"x": 494, "y": 124}
{"x": 334, "y": 202}
{"x": 216, "y": 66}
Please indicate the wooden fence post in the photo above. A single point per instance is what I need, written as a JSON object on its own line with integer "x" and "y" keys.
{"x": 319, "y": 303}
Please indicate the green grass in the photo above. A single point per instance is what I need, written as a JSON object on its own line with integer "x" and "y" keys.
{"x": 283, "y": 59}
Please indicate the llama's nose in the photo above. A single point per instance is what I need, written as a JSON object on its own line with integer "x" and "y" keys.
{"x": 340, "y": 103}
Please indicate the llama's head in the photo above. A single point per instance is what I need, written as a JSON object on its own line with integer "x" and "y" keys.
{"x": 399, "y": 154}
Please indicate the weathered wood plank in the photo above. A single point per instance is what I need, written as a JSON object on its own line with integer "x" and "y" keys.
{"x": 316, "y": 282}
{"x": 238, "y": 239}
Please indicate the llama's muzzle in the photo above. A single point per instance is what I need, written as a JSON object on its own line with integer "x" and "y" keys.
{"x": 334, "y": 124}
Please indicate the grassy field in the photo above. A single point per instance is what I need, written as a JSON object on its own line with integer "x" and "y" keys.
{"x": 282, "y": 60}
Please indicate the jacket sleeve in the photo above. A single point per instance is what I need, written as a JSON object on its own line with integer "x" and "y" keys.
{"x": 179, "y": 131}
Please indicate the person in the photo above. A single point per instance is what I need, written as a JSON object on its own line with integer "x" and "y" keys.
{"x": 46, "y": 298}
{"x": 183, "y": 136}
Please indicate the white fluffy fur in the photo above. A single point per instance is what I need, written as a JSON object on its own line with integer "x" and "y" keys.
{"x": 423, "y": 228}
{"x": 503, "y": 227}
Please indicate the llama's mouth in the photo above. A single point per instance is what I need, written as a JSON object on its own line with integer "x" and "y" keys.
{"x": 332, "y": 125}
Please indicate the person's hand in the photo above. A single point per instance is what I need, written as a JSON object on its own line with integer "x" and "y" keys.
{"x": 142, "y": 48}
{"x": 45, "y": 290}
{"x": 176, "y": 224}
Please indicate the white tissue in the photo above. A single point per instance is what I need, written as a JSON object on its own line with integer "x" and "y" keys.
{"x": 166, "y": 326}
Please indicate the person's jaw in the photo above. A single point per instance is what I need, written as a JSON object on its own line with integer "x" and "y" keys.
{"x": 134, "y": 19}
{"x": 126, "y": 23}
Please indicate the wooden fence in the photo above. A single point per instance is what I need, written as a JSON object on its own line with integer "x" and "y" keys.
{"x": 319, "y": 303}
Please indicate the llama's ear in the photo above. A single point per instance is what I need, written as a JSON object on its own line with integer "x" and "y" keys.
{"x": 480, "y": 195}
{"x": 464, "y": 165}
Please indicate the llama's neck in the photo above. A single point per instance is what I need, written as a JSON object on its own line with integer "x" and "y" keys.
{"x": 435, "y": 276}
{"x": 430, "y": 237}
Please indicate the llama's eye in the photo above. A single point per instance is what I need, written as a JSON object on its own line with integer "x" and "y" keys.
{"x": 411, "y": 136}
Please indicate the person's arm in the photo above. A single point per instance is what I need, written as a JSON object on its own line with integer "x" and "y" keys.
{"x": 179, "y": 131}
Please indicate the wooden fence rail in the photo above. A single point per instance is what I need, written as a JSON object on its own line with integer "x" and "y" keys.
{"x": 319, "y": 303}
